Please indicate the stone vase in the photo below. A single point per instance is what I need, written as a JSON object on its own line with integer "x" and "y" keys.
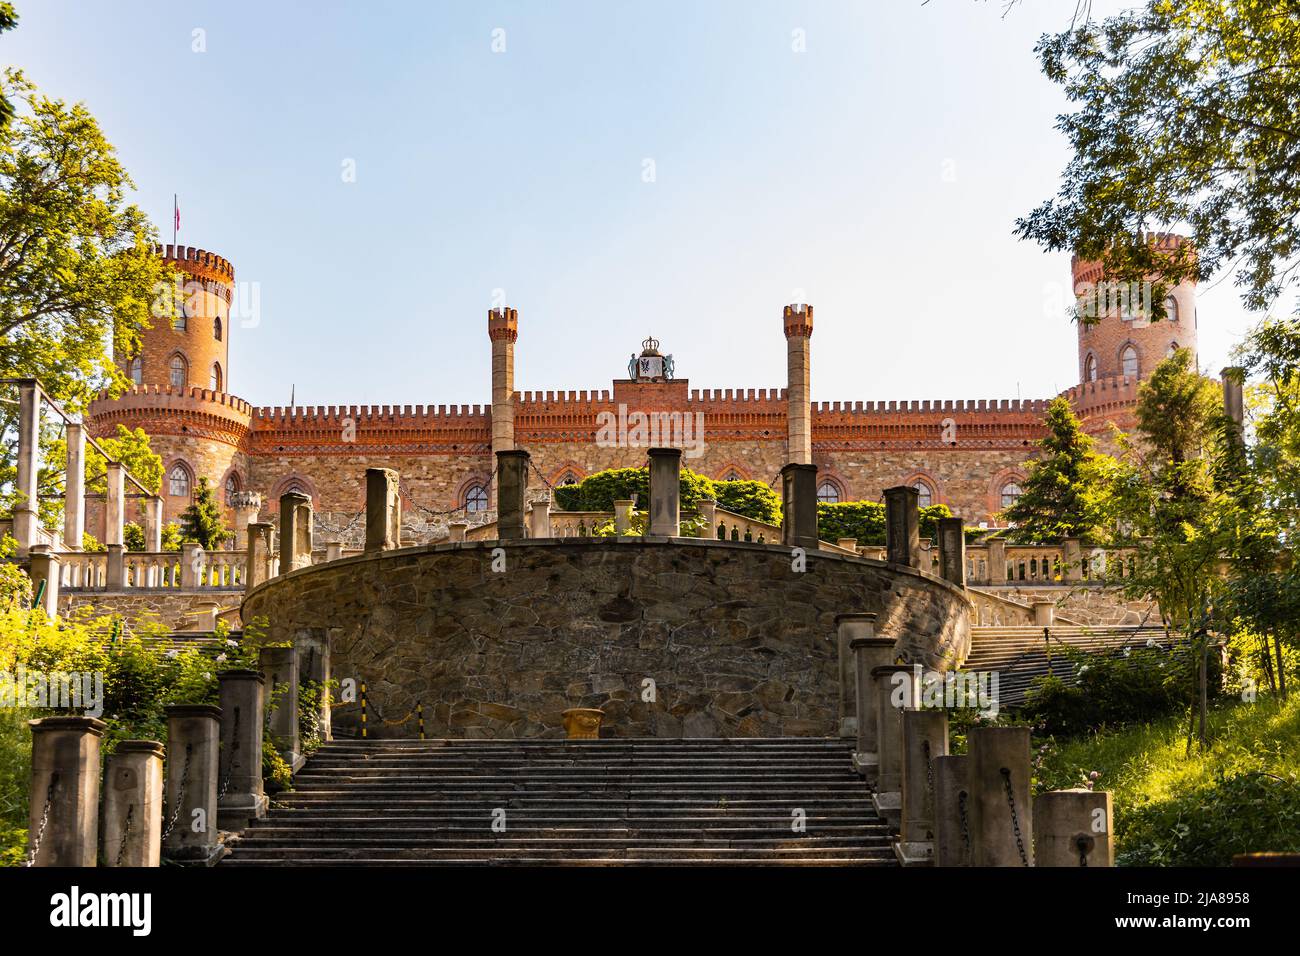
{"x": 583, "y": 723}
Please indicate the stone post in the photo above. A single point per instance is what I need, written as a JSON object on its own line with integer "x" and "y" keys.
{"x": 869, "y": 652}
{"x": 43, "y": 565}
{"x": 848, "y": 544}
{"x": 512, "y": 488}
{"x": 133, "y": 804}
{"x": 799, "y": 503}
{"x": 1002, "y": 819}
{"x": 115, "y": 566}
{"x": 383, "y": 510}
{"x": 456, "y": 531}
{"x": 295, "y": 531}
{"x": 797, "y": 321}
{"x": 242, "y": 702}
{"x": 848, "y": 628}
{"x": 63, "y": 822}
{"x": 191, "y": 564}
{"x": 997, "y": 560}
{"x": 665, "y": 492}
{"x": 280, "y": 667}
{"x": 333, "y": 550}
{"x": 193, "y": 746}
{"x": 709, "y": 513}
{"x": 622, "y": 516}
{"x": 894, "y": 686}
{"x": 951, "y": 811}
{"x": 902, "y": 526}
{"x": 26, "y": 517}
{"x": 115, "y": 503}
{"x": 925, "y": 738}
{"x": 247, "y": 505}
{"x": 1072, "y": 556}
{"x": 503, "y": 330}
{"x": 74, "y": 485}
{"x": 313, "y": 646}
{"x": 540, "y": 525}
{"x": 152, "y": 508}
{"x": 1073, "y": 828}
{"x": 1044, "y": 613}
{"x": 952, "y": 551}
{"x": 259, "y": 553}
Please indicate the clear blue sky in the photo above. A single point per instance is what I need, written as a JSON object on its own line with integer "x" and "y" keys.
{"x": 877, "y": 175}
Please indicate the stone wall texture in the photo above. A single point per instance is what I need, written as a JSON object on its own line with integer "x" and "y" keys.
{"x": 735, "y": 641}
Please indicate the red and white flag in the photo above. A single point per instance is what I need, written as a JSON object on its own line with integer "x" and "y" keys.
{"x": 176, "y": 214}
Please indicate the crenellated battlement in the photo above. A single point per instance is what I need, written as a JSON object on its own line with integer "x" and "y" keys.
{"x": 170, "y": 396}
{"x": 406, "y": 415}
{"x": 1103, "y": 393}
{"x": 197, "y": 261}
{"x": 798, "y": 320}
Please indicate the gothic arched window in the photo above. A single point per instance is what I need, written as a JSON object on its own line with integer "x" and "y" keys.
{"x": 1010, "y": 492}
{"x": 216, "y": 328}
{"x": 232, "y": 486}
{"x": 214, "y": 379}
{"x": 1090, "y": 369}
{"x": 1128, "y": 361}
{"x": 476, "y": 498}
{"x": 178, "y": 371}
{"x": 828, "y": 492}
{"x": 137, "y": 370}
{"x": 178, "y": 481}
{"x": 924, "y": 494}
{"x": 1171, "y": 308}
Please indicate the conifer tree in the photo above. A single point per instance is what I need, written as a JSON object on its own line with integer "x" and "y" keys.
{"x": 202, "y": 521}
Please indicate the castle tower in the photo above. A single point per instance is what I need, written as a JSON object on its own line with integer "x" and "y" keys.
{"x": 1123, "y": 343}
{"x": 798, "y": 320}
{"x": 503, "y": 329}
{"x": 194, "y": 351}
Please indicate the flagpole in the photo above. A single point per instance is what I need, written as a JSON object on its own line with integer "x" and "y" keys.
{"x": 175, "y": 207}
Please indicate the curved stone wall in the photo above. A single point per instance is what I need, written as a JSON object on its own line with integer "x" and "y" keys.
{"x": 736, "y": 642}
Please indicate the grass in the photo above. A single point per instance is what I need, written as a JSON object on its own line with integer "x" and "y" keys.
{"x": 1242, "y": 794}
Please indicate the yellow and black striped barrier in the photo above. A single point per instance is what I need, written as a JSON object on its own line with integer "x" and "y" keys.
{"x": 363, "y": 710}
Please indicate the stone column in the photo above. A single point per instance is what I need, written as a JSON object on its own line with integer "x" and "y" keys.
{"x": 512, "y": 490}
{"x": 797, "y": 321}
{"x": 1072, "y": 556}
{"x": 313, "y": 646}
{"x": 1002, "y": 819}
{"x": 540, "y": 518}
{"x": 894, "y": 692}
{"x": 295, "y": 531}
{"x": 951, "y": 811}
{"x": 240, "y": 795}
{"x": 1073, "y": 828}
{"x": 133, "y": 804}
{"x": 333, "y": 550}
{"x": 280, "y": 667}
{"x": 848, "y": 628}
{"x": 259, "y": 553}
{"x": 622, "y": 516}
{"x": 952, "y": 551}
{"x": 456, "y": 531}
{"x": 1044, "y": 613}
{"x": 115, "y": 503}
{"x": 799, "y": 504}
{"x": 869, "y": 652}
{"x": 191, "y": 564}
{"x": 153, "y": 523}
{"x": 709, "y": 513}
{"x": 383, "y": 510}
{"x": 503, "y": 330}
{"x": 247, "y": 505}
{"x": 115, "y": 566}
{"x": 74, "y": 488}
{"x": 925, "y": 738}
{"x": 665, "y": 492}
{"x": 26, "y": 517}
{"x": 63, "y": 822}
{"x": 43, "y": 565}
{"x": 902, "y": 526}
{"x": 1233, "y": 405}
{"x": 997, "y": 560}
{"x": 193, "y": 746}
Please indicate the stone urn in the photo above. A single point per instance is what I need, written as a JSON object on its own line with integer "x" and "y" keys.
{"x": 583, "y": 723}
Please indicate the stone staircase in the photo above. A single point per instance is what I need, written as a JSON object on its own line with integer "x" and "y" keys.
{"x": 619, "y": 801}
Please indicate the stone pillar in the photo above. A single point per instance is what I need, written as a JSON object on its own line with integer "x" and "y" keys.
{"x": 503, "y": 330}
{"x": 295, "y": 531}
{"x": 848, "y": 628}
{"x": 869, "y": 652}
{"x": 193, "y": 746}
{"x": 512, "y": 490}
{"x": 133, "y": 804}
{"x": 26, "y": 517}
{"x": 247, "y": 505}
{"x": 894, "y": 686}
{"x": 709, "y": 514}
{"x": 115, "y": 566}
{"x": 622, "y": 516}
{"x": 313, "y": 646}
{"x": 951, "y": 811}
{"x": 333, "y": 550}
{"x": 665, "y": 492}
{"x": 1233, "y": 405}
{"x": 191, "y": 564}
{"x": 997, "y": 560}
{"x": 456, "y": 531}
{"x": 799, "y": 504}
{"x": 115, "y": 503}
{"x": 43, "y": 565}
{"x": 540, "y": 518}
{"x": 63, "y": 822}
{"x": 902, "y": 526}
{"x": 925, "y": 738}
{"x": 798, "y": 323}
{"x": 1073, "y": 828}
{"x": 74, "y": 488}
{"x": 1072, "y": 557}
{"x": 1044, "y": 613}
{"x": 259, "y": 553}
{"x": 383, "y": 510}
{"x": 952, "y": 551}
{"x": 153, "y": 523}
{"x": 1002, "y": 819}
{"x": 240, "y": 795}
{"x": 848, "y": 544}
{"x": 280, "y": 667}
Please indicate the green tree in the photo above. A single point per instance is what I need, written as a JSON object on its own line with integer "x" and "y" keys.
{"x": 202, "y": 521}
{"x": 8, "y": 20}
{"x": 1064, "y": 495}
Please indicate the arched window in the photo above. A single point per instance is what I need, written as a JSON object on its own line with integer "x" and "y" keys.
{"x": 828, "y": 491}
{"x": 216, "y": 328}
{"x": 568, "y": 478}
{"x": 137, "y": 370}
{"x": 1010, "y": 492}
{"x": 214, "y": 379}
{"x": 182, "y": 323}
{"x": 732, "y": 475}
{"x": 924, "y": 494}
{"x": 178, "y": 482}
{"x": 178, "y": 371}
{"x": 1173, "y": 347}
{"x": 1090, "y": 369}
{"x": 476, "y": 498}
{"x": 1171, "y": 308}
{"x": 1128, "y": 361}
{"x": 232, "y": 486}
{"x": 295, "y": 487}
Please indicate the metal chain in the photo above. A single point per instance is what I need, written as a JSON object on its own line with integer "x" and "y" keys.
{"x": 180, "y": 795}
{"x": 234, "y": 749}
{"x": 965, "y": 820}
{"x": 1015, "y": 817}
{"x": 45, "y": 820}
{"x": 126, "y": 830}
{"x": 1082, "y": 844}
{"x": 435, "y": 513}
{"x": 929, "y": 767}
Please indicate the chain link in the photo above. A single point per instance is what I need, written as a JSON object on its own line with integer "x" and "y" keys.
{"x": 45, "y": 820}
{"x": 126, "y": 831}
{"x": 234, "y": 749}
{"x": 929, "y": 767}
{"x": 965, "y": 820}
{"x": 435, "y": 513}
{"x": 180, "y": 795}
{"x": 1015, "y": 817}
{"x": 1082, "y": 842}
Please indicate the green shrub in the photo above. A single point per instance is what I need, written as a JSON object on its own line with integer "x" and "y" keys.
{"x": 865, "y": 520}
{"x": 753, "y": 499}
{"x": 598, "y": 492}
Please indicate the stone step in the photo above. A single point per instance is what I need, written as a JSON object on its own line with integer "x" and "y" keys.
{"x": 621, "y": 850}
{"x": 499, "y": 859}
{"x": 564, "y": 839}
{"x": 522, "y": 822}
